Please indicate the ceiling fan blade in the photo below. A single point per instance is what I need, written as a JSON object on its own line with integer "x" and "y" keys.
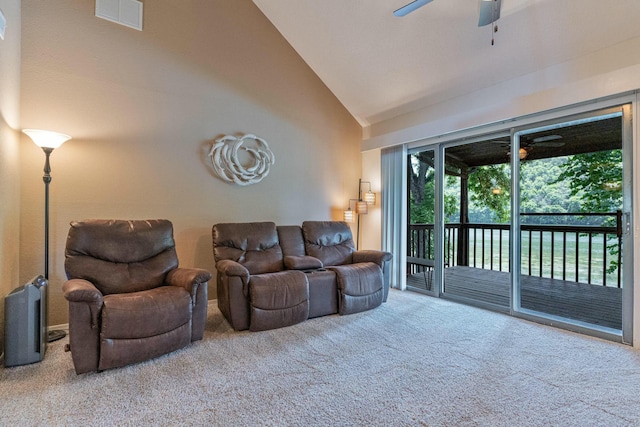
{"x": 489, "y": 11}
{"x": 408, "y": 8}
{"x": 549, "y": 144}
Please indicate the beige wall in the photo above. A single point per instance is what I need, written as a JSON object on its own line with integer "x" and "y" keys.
{"x": 9, "y": 154}
{"x": 143, "y": 109}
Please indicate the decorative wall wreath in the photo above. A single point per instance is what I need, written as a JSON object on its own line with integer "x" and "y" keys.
{"x": 227, "y": 165}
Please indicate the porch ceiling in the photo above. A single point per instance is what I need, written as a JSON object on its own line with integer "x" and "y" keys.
{"x": 587, "y": 137}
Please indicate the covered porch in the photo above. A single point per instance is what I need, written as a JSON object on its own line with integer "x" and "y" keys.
{"x": 570, "y": 261}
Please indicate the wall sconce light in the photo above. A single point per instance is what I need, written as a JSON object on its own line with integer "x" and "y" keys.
{"x": 48, "y": 141}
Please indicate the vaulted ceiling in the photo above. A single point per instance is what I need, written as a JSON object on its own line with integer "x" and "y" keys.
{"x": 381, "y": 66}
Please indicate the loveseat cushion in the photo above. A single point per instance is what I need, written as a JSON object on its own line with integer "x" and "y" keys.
{"x": 329, "y": 241}
{"x": 291, "y": 240}
{"x": 253, "y": 244}
{"x": 360, "y": 287}
{"x": 278, "y": 300}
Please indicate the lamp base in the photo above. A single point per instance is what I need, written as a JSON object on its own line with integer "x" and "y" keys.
{"x": 56, "y": 335}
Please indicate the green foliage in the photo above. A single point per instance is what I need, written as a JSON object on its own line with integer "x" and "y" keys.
{"x": 596, "y": 178}
{"x": 489, "y": 186}
{"x": 588, "y": 182}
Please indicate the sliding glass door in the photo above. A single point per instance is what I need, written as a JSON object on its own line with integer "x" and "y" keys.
{"x": 531, "y": 221}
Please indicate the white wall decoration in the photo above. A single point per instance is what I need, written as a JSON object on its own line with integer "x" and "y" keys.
{"x": 228, "y": 166}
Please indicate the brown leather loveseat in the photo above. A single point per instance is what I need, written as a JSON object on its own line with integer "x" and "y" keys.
{"x": 274, "y": 276}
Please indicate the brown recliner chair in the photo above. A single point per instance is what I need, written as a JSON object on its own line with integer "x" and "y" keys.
{"x": 128, "y": 300}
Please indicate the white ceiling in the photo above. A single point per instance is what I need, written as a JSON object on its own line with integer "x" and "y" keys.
{"x": 380, "y": 66}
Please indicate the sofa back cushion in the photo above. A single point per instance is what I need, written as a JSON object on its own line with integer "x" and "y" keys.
{"x": 329, "y": 241}
{"x": 120, "y": 256}
{"x": 252, "y": 244}
{"x": 291, "y": 240}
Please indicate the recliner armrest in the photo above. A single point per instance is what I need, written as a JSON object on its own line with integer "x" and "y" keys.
{"x": 80, "y": 290}
{"x": 188, "y": 277}
{"x": 378, "y": 257}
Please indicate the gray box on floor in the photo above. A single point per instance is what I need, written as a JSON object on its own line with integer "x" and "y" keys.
{"x": 25, "y": 323}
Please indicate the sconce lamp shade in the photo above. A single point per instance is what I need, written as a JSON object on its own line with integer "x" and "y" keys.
{"x": 370, "y": 197}
{"x": 361, "y": 207}
{"x": 46, "y": 138}
{"x": 348, "y": 215}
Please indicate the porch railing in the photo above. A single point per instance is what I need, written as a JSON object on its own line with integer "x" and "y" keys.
{"x": 580, "y": 253}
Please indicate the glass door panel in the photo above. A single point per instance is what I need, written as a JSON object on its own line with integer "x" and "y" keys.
{"x": 477, "y": 206}
{"x": 571, "y": 220}
{"x": 421, "y": 242}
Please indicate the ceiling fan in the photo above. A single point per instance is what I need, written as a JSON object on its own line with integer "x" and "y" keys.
{"x": 489, "y": 10}
{"x": 549, "y": 141}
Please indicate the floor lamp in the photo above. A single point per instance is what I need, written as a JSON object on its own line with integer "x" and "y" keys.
{"x": 48, "y": 141}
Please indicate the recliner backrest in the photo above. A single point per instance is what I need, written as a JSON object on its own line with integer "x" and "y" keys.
{"x": 252, "y": 244}
{"x": 120, "y": 256}
{"x": 329, "y": 241}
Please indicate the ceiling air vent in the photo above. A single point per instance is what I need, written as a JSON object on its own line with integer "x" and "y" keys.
{"x": 124, "y": 12}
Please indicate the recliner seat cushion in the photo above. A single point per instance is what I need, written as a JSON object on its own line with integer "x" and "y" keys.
{"x": 278, "y": 300}
{"x": 360, "y": 287}
{"x": 146, "y": 313}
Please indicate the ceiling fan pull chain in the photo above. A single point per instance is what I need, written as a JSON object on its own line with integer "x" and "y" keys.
{"x": 494, "y": 26}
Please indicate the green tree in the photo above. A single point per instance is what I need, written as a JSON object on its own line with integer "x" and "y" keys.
{"x": 596, "y": 178}
{"x": 489, "y": 186}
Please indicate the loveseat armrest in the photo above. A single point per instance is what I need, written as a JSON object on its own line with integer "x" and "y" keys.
{"x": 80, "y": 290}
{"x": 232, "y": 268}
{"x": 378, "y": 257}
{"x": 303, "y": 262}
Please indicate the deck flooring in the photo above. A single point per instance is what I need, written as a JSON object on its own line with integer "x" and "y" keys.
{"x": 597, "y": 305}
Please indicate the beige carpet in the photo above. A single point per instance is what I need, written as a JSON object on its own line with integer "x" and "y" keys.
{"x": 415, "y": 361}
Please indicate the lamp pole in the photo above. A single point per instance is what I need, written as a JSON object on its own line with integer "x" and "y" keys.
{"x": 47, "y": 180}
{"x": 48, "y": 141}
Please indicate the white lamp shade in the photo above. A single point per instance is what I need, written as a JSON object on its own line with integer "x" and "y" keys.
{"x": 370, "y": 197}
{"x": 348, "y": 215}
{"x": 361, "y": 207}
{"x": 46, "y": 138}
